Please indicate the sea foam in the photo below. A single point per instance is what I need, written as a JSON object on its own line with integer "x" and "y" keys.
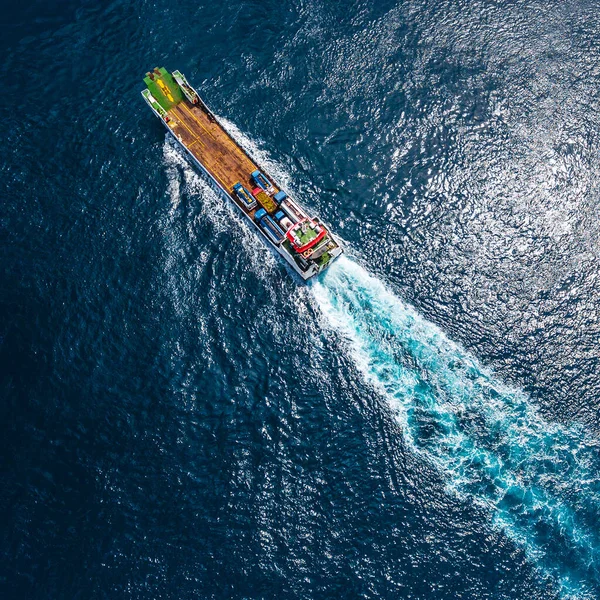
{"x": 539, "y": 481}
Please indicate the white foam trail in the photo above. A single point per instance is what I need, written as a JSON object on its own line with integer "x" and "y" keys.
{"x": 541, "y": 481}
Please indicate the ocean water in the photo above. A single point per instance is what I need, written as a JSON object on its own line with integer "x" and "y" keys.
{"x": 182, "y": 418}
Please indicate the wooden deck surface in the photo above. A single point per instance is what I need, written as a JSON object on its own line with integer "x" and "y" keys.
{"x": 211, "y": 145}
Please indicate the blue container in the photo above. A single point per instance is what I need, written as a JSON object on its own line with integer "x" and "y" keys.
{"x": 245, "y": 197}
{"x": 261, "y": 180}
{"x": 279, "y": 197}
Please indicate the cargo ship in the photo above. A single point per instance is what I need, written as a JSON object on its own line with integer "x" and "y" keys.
{"x": 303, "y": 241}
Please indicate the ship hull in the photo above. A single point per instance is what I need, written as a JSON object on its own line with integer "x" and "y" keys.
{"x": 222, "y": 162}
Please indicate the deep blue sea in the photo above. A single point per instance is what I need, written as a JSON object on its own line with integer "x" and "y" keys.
{"x": 182, "y": 418}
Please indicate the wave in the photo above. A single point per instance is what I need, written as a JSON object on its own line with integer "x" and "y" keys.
{"x": 538, "y": 480}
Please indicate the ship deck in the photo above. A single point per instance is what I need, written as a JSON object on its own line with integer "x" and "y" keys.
{"x": 206, "y": 139}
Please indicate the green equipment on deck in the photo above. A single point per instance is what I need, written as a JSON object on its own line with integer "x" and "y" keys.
{"x": 163, "y": 88}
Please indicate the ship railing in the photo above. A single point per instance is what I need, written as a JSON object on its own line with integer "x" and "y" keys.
{"x": 154, "y": 104}
{"x": 188, "y": 91}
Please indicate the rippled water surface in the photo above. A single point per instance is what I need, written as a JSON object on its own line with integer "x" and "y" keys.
{"x": 182, "y": 418}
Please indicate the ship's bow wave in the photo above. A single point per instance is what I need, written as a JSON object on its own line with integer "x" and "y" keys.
{"x": 538, "y": 480}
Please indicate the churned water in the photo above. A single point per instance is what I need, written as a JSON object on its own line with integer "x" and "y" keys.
{"x": 182, "y": 418}
{"x": 539, "y": 481}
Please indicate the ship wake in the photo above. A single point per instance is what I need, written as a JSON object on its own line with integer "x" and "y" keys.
{"x": 540, "y": 482}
